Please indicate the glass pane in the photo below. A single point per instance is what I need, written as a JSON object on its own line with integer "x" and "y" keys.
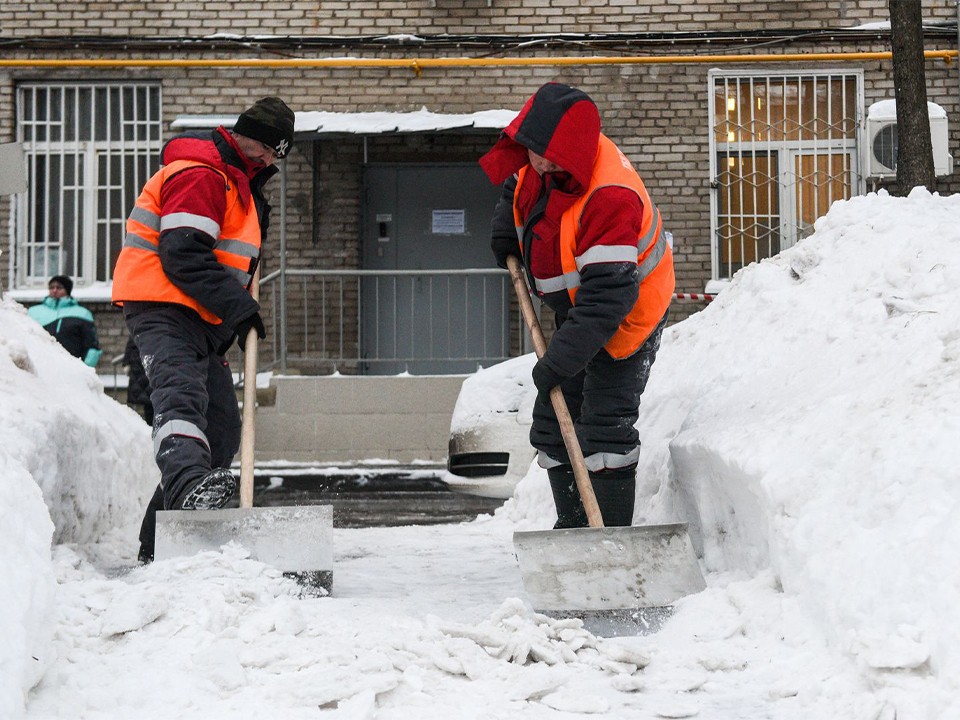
{"x": 748, "y": 213}
{"x": 153, "y": 114}
{"x": 44, "y": 262}
{"x": 77, "y": 114}
{"x": 822, "y": 179}
{"x": 786, "y": 108}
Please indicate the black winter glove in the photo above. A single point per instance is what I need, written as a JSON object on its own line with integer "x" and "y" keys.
{"x": 248, "y": 324}
{"x": 504, "y": 246}
{"x": 545, "y": 379}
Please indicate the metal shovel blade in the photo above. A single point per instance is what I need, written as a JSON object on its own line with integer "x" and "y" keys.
{"x": 296, "y": 540}
{"x": 607, "y": 568}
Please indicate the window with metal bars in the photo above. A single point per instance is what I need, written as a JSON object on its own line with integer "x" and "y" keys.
{"x": 783, "y": 148}
{"x": 89, "y": 149}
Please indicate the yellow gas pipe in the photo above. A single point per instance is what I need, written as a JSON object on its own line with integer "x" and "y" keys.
{"x": 418, "y": 65}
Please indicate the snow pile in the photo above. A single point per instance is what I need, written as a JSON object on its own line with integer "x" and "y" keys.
{"x": 69, "y": 454}
{"x": 517, "y": 634}
{"x": 27, "y": 579}
{"x": 91, "y": 456}
{"x": 234, "y": 638}
{"x": 807, "y": 423}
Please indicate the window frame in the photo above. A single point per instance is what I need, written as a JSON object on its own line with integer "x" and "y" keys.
{"x": 785, "y": 153}
{"x": 89, "y": 147}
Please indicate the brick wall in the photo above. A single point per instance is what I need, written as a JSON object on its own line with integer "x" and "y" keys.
{"x": 379, "y": 17}
{"x": 657, "y": 113}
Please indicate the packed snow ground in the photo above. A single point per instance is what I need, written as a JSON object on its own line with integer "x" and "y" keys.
{"x": 805, "y": 424}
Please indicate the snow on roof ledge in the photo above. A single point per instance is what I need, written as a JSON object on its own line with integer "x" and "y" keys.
{"x": 887, "y": 110}
{"x": 318, "y": 122}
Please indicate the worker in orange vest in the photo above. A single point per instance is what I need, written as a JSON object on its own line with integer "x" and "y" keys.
{"x": 183, "y": 278}
{"x": 593, "y": 247}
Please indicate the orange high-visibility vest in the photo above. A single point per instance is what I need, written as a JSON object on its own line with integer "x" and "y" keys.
{"x": 652, "y": 253}
{"x": 139, "y": 276}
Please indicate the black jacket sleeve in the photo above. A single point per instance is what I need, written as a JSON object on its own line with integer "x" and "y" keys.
{"x": 607, "y": 294}
{"x": 187, "y": 258}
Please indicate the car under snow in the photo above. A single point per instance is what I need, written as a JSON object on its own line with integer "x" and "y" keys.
{"x": 490, "y": 451}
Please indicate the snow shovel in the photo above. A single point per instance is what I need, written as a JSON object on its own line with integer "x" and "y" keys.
{"x": 611, "y": 577}
{"x": 296, "y": 540}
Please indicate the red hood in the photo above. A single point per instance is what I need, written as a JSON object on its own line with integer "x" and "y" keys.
{"x": 558, "y": 122}
{"x": 200, "y": 148}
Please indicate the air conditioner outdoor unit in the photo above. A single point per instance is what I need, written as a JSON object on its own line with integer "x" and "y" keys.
{"x": 882, "y": 139}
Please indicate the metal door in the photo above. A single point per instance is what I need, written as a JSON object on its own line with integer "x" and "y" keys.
{"x": 418, "y": 221}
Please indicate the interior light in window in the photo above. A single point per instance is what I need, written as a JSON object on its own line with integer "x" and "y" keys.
{"x": 731, "y": 162}
{"x": 731, "y": 136}
{"x": 731, "y": 104}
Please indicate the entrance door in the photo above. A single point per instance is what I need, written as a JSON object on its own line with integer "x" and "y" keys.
{"x": 417, "y": 220}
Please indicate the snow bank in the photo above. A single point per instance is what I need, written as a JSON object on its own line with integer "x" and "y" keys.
{"x": 74, "y": 464}
{"x": 807, "y": 422}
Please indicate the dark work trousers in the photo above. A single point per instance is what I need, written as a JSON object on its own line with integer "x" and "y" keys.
{"x": 604, "y": 402}
{"x": 196, "y": 425}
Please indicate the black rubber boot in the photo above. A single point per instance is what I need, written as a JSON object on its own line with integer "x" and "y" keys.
{"x": 148, "y": 529}
{"x": 615, "y": 491}
{"x": 211, "y": 492}
{"x": 566, "y": 497}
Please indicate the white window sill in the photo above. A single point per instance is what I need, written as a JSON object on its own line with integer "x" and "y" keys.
{"x": 98, "y": 292}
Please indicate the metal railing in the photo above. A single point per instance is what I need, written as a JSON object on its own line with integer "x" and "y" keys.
{"x": 390, "y": 321}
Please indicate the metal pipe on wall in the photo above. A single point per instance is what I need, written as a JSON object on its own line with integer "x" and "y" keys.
{"x": 418, "y": 65}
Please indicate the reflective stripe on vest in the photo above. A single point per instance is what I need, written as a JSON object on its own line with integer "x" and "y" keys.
{"x": 139, "y": 275}
{"x": 612, "y": 168}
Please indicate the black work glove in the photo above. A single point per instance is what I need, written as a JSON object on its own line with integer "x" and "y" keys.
{"x": 504, "y": 246}
{"x": 545, "y": 379}
{"x": 245, "y": 326}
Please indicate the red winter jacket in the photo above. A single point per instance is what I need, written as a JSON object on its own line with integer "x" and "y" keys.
{"x": 186, "y": 251}
{"x": 562, "y": 124}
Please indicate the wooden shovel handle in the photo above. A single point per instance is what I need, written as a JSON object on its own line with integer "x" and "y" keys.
{"x": 248, "y": 431}
{"x": 580, "y": 473}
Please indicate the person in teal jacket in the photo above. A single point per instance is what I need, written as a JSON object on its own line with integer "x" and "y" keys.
{"x": 69, "y": 322}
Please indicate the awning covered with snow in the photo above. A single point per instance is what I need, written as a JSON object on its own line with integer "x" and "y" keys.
{"x": 317, "y": 123}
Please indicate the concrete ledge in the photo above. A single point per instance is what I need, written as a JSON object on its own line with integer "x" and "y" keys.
{"x": 337, "y": 418}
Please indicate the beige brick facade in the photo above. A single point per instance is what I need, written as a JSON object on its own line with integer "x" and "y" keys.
{"x": 657, "y": 113}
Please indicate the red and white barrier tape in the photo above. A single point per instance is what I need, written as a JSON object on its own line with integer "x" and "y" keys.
{"x": 693, "y": 296}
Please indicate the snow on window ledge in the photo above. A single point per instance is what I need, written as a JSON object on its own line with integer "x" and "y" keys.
{"x": 97, "y": 292}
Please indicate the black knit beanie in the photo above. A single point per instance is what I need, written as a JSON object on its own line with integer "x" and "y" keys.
{"x": 63, "y": 280}
{"x": 269, "y": 121}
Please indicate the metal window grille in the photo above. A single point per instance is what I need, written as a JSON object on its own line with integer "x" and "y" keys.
{"x": 89, "y": 149}
{"x": 783, "y": 148}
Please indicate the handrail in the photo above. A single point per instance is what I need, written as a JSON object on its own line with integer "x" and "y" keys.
{"x": 306, "y": 272}
{"x": 352, "y": 318}
{"x": 348, "y": 318}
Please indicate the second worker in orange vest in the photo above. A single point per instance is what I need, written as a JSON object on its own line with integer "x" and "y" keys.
{"x": 592, "y": 243}
{"x": 183, "y": 276}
